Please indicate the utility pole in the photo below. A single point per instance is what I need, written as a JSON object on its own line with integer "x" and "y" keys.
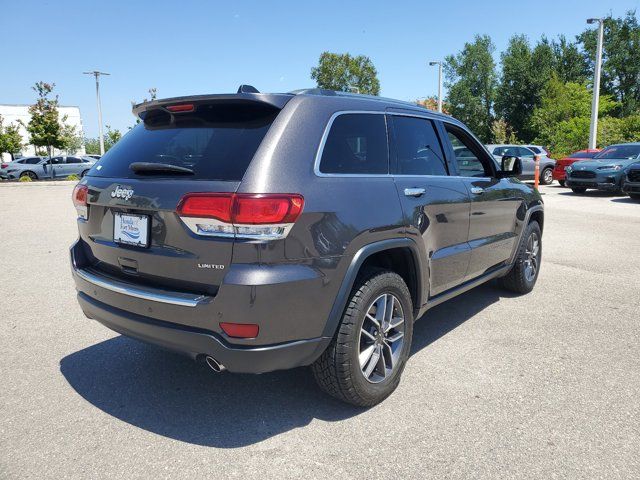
{"x": 97, "y": 74}
{"x": 431, "y": 64}
{"x": 593, "y": 130}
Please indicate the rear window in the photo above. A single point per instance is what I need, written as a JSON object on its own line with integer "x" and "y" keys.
{"x": 534, "y": 149}
{"x": 357, "y": 144}
{"x": 217, "y": 142}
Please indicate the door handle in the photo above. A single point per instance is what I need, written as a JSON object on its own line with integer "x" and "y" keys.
{"x": 414, "y": 192}
{"x": 477, "y": 190}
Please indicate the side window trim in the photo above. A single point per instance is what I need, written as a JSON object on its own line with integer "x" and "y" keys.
{"x": 440, "y": 132}
{"x": 451, "y": 154}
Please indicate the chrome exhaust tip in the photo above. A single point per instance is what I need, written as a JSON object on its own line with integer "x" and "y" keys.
{"x": 214, "y": 365}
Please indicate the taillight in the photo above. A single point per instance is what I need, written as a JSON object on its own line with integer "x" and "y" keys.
{"x": 4, "y": 165}
{"x": 256, "y": 216}
{"x": 80, "y": 193}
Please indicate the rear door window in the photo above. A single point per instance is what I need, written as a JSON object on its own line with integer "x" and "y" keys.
{"x": 73, "y": 160}
{"x": 356, "y": 144}
{"x": 216, "y": 141}
{"x": 416, "y": 147}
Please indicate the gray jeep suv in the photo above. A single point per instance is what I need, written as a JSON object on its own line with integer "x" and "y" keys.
{"x": 258, "y": 232}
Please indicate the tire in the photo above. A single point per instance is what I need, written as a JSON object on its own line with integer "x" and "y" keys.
{"x": 578, "y": 189}
{"x": 561, "y": 182}
{"x": 29, "y": 174}
{"x": 634, "y": 196}
{"x": 338, "y": 370}
{"x": 546, "y": 177}
{"x": 521, "y": 279}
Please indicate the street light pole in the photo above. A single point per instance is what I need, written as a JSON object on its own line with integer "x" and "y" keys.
{"x": 439, "y": 84}
{"x": 97, "y": 74}
{"x": 593, "y": 130}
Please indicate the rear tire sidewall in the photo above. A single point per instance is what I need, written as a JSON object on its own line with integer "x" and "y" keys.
{"x": 579, "y": 190}
{"x": 31, "y": 175}
{"x": 377, "y": 392}
{"x": 561, "y": 182}
{"x": 547, "y": 176}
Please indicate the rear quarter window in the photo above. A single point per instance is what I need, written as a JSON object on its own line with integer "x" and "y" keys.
{"x": 356, "y": 144}
{"x": 217, "y": 142}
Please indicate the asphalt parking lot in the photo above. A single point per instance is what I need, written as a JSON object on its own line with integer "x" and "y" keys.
{"x": 541, "y": 386}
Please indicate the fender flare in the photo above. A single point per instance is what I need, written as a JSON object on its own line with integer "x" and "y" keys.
{"x": 357, "y": 261}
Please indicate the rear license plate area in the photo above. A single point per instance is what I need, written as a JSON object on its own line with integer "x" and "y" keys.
{"x": 131, "y": 229}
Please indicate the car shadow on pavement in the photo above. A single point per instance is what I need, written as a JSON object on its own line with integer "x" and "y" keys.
{"x": 167, "y": 394}
{"x": 625, "y": 200}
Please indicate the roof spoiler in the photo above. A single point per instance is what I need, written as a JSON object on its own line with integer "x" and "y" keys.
{"x": 246, "y": 94}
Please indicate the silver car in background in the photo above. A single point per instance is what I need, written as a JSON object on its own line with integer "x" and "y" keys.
{"x": 4, "y": 166}
{"x": 527, "y": 156}
{"x": 56, "y": 167}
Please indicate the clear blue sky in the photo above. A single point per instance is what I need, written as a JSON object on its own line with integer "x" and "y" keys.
{"x": 185, "y": 47}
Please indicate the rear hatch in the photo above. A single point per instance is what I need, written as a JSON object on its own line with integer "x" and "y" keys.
{"x": 133, "y": 231}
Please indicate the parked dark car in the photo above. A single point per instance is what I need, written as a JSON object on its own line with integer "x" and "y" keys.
{"x": 631, "y": 181}
{"x": 606, "y": 170}
{"x": 258, "y": 232}
{"x": 559, "y": 173}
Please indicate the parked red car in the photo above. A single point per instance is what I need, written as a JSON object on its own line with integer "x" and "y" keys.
{"x": 558, "y": 171}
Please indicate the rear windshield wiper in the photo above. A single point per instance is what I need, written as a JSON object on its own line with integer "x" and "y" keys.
{"x": 149, "y": 167}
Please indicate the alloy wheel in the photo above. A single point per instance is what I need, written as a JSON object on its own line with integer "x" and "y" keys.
{"x": 381, "y": 338}
{"x": 531, "y": 257}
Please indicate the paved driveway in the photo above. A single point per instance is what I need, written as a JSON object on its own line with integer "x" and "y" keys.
{"x": 546, "y": 385}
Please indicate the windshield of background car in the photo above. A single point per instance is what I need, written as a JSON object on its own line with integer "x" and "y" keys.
{"x": 583, "y": 155}
{"x": 619, "y": 152}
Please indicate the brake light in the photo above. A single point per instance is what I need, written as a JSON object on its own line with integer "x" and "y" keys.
{"x": 240, "y": 330}
{"x": 79, "y": 197}
{"x": 184, "y": 107}
{"x": 258, "y": 216}
{"x": 4, "y": 165}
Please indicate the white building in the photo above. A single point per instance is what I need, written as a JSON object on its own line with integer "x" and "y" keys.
{"x": 11, "y": 114}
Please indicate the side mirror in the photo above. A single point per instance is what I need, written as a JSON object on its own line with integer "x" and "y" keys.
{"x": 511, "y": 166}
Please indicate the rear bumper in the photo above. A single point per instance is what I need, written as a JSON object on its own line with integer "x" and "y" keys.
{"x": 200, "y": 343}
{"x": 189, "y": 324}
{"x": 559, "y": 173}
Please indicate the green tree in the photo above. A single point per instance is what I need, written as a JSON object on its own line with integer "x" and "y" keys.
{"x": 10, "y": 139}
{"x": 92, "y": 145}
{"x": 570, "y": 64}
{"x": 471, "y": 82}
{"x": 45, "y": 129}
{"x": 514, "y": 96}
{"x": 345, "y": 73}
{"x": 112, "y": 136}
{"x": 72, "y": 140}
{"x": 621, "y": 59}
{"x": 563, "y": 117}
{"x": 502, "y": 132}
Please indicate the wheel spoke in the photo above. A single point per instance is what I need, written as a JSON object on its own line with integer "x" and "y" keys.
{"x": 389, "y": 350}
{"x": 394, "y": 323}
{"x": 395, "y": 337}
{"x": 372, "y": 362}
{"x": 374, "y": 320}
{"x": 368, "y": 335}
{"x": 382, "y": 363}
{"x": 366, "y": 355}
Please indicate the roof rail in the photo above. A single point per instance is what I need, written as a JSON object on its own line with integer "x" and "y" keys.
{"x": 315, "y": 91}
